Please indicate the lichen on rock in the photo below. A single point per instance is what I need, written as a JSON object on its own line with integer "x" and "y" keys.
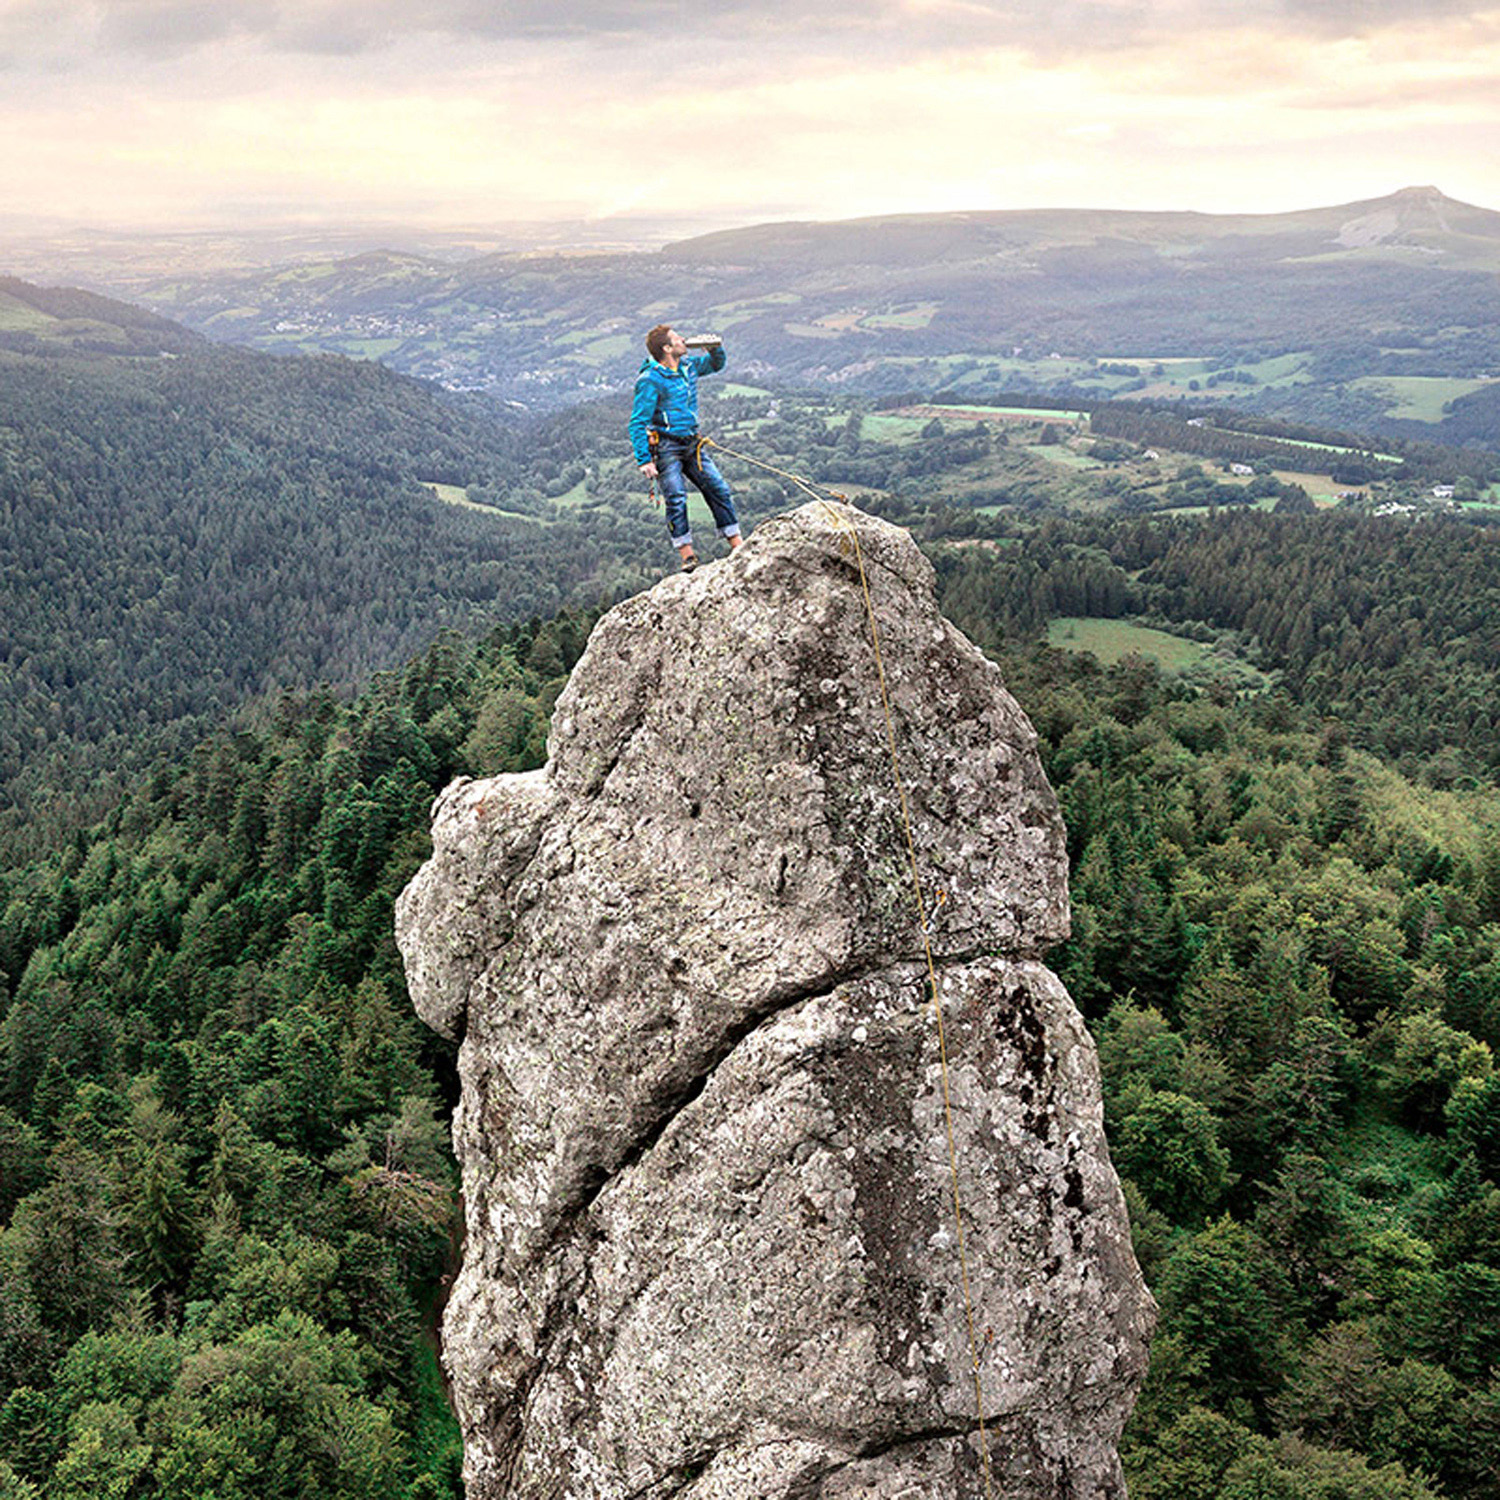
{"x": 710, "y": 1233}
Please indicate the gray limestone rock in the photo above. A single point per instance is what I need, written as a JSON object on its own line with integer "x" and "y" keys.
{"x": 711, "y": 1245}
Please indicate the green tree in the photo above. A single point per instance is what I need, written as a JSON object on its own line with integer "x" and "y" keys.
{"x": 104, "y": 1455}
{"x": 1428, "y": 1059}
{"x": 279, "y": 1411}
{"x": 1168, "y": 1145}
{"x": 1212, "y": 1296}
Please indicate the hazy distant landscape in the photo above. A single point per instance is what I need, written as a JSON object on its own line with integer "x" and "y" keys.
{"x": 1380, "y": 315}
{"x": 370, "y": 509}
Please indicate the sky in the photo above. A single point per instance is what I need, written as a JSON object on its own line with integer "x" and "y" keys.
{"x": 185, "y": 114}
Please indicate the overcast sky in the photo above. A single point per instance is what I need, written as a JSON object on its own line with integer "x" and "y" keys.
{"x": 184, "y": 113}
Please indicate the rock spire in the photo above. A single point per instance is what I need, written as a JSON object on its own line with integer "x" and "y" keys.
{"x": 710, "y": 1238}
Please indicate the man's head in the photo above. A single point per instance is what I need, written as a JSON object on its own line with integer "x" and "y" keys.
{"x": 664, "y": 340}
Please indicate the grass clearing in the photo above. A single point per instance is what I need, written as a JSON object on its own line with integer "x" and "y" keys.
{"x": 574, "y": 498}
{"x": 1056, "y": 453}
{"x": 1323, "y": 490}
{"x": 883, "y": 427}
{"x": 974, "y": 411}
{"x": 918, "y": 315}
{"x": 1280, "y": 370}
{"x": 611, "y": 346}
{"x": 843, "y": 321}
{"x": 369, "y": 348}
{"x": 1110, "y": 640}
{"x": 18, "y": 317}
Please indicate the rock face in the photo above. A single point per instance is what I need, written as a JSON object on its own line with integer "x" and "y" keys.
{"x": 711, "y": 1244}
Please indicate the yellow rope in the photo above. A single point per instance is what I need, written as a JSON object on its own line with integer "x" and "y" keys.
{"x": 805, "y": 485}
{"x": 843, "y": 523}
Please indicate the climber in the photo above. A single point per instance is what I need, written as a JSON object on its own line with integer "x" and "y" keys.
{"x": 664, "y": 435}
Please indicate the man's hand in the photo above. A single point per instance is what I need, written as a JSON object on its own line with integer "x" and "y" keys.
{"x": 649, "y": 469}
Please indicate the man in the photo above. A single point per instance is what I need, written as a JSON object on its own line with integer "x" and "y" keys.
{"x": 666, "y": 410}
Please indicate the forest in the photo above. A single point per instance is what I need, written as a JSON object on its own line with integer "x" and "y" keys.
{"x": 227, "y": 1197}
{"x": 180, "y": 535}
{"x": 246, "y": 640}
{"x": 224, "y": 1169}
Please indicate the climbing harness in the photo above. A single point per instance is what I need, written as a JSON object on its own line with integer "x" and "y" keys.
{"x": 841, "y": 523}
{"x": 653, "y": 439}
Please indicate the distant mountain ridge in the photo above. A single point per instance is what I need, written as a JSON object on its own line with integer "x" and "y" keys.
{"x": 1422, "y": 217}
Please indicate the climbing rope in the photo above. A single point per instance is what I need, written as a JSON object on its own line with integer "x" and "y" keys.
{"x": 807, "y": 486}
{"x": 842, "y": 523}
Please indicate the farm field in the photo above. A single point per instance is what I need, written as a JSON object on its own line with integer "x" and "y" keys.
{"x": 17, "y": 316}
{"x": 1418, "y": 398}
{"x": 1057, "y": 453}
{"x": 1323, "y": 490}
{"x": 916, "y": 316}
{"x": 1182, "y": 375}
{"x": 976, "y": 413}
{"x": 888, "y": 427}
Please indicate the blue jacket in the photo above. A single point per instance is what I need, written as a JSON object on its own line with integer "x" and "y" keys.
{"x": 668, "y": 400}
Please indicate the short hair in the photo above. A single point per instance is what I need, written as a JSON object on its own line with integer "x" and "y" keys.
{"x": 656, "y": 340}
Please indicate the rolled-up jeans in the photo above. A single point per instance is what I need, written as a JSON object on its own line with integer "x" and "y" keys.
{"x": 677, "y": 459}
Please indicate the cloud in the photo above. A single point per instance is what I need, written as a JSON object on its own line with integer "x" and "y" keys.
{"x": 173, "y": 26}
{"x": 754, "y": 30}
{"x": 475, "y": 111}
